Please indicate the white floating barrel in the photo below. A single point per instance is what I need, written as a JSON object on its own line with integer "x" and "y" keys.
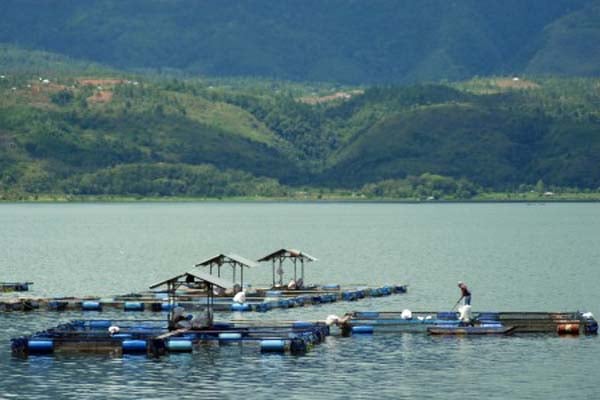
{"x": 229, "y": 337}
{"x": 179, "y": 345}
{"x": 40, "y": 346}
{"x": 362, "y": 329}
{"x": 331, "y": 286}
{"x": 91, "y": 306}
{"x": 272, "y": 346}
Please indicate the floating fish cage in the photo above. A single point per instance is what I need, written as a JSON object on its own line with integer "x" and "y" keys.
{"x": 447, "y": 322}
{"x": 153, "y": 338}
{"x": 159, "y": 302}
{"x": 15, "y": 286}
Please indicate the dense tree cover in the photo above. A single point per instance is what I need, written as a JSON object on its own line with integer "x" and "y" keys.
{"x": 377, "y": 41}
{"x": 139, "y": 136}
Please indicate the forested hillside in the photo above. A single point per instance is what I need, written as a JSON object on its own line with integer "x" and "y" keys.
{"x": 357, "y": 42}
{"x": 109, "y": 133}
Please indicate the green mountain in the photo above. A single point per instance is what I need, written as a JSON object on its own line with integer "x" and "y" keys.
{"x": 348, "y": 41}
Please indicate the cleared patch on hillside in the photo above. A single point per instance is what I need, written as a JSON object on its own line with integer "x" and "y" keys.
{"x": 516, "y": 83}
{"x": 337, "y": 96}
{"x": 101, "y": 96}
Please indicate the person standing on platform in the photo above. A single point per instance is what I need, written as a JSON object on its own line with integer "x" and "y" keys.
{"x": 466, "y": 293}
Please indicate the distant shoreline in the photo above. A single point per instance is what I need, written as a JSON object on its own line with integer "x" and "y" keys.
{"x": 127, "y": 199}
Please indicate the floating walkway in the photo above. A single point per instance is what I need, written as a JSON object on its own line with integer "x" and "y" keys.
{"x": 151, "y": 337}
{"x": 370, "y": 322}
{"x": 263, "y": 300}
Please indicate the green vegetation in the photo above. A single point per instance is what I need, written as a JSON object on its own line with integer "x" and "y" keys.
{"x": 353, "y": 42}
{"x": 71, "y": 136}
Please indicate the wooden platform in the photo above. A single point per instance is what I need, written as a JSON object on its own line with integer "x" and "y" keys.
{"x": 572, "y": 323}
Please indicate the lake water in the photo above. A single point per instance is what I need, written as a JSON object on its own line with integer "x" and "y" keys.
{"x": 512, "y": 256}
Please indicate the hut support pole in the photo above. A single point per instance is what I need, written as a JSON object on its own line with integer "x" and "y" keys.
{"x": 209, "y": 304}
{"x": 171, "y": 300}
{"x": 302, "y": 269}
{"x": 273, "y": 273}
{"x": 281, "y": 275}
{"x": 295, "y": 277}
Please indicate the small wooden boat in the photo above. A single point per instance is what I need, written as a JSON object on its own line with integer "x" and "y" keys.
{"x": 15, "y": 286}
{"x": 470, "y": 330}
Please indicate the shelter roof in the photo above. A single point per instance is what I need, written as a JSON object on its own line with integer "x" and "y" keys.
{"x": 198, "y": 276}
{"x": 288, "y": 253}
{"x": 221, "y": 259}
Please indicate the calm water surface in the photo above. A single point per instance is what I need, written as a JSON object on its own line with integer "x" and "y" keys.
{"x": 513, "y": 256}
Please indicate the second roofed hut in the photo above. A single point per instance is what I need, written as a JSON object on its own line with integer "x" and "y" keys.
{"x": 232, "y": 260}
{"x": 294, "y": 256}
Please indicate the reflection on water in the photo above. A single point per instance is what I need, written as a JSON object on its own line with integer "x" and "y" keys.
{"x": 513, "y": 257}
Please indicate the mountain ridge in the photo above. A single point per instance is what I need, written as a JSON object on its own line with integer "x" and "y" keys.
{"x": 338, "y": 41}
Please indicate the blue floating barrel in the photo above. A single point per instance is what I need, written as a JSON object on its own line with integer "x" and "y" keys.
{"x": 362, "y": 330}
{"x": 284, "y": 303}
{"x": 91, "y": 306}
{"x": 240, "y": 307}
{"x": 229, "y": 337}
{"x": 349, "y": 296}
{"x": 167, "y": 306}
{"x": 134, "y": 346}
{"x": 449, "y": 315}
{"x": 100, "y": 324}
{"x": 179, "y": 345}
{"x": 40, "y": 346}
{"x": 591, "y": 327}
{"x": 367, "y": 314}
{"x": 272, "y": 346}
{"x": 401, "y": 289}
{"x": 302, "y": 325}
{"x": 57, "y": 305}
{"x": 133, "y": 306}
